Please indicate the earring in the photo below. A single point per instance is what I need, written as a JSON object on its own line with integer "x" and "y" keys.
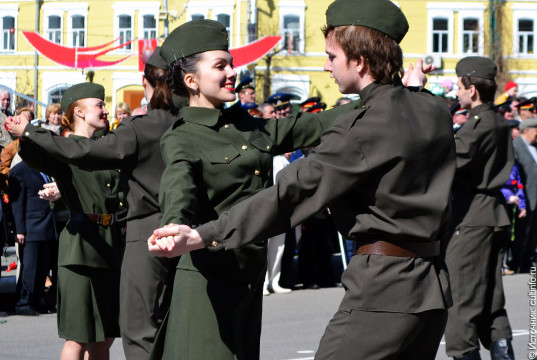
{"x": 196, "y": 91}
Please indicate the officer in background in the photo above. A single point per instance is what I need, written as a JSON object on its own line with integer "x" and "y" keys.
{"x": 246, "y": 92}
{"x": 282, "y": 104}
{"x": 480, "y": 223}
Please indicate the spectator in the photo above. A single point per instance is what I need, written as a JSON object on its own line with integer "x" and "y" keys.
{"x": 5, "y": 102}
{"x": 53, "y": 119}
{"x": 122, "y": 111}
{"x": 526, "y": 157}
{"x": 267, "y": 111}
{"x": 510, "y": 91}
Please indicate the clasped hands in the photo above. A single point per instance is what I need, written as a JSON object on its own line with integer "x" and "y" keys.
{"x": 16, "y": 124}
{"x": 174, "y": 240}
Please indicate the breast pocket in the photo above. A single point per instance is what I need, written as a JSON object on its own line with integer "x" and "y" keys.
{"x": 262, "y": 143}
{"x": 222, "y": 155}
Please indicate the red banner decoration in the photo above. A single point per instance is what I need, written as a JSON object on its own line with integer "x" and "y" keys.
{"x": 78, "y": 58}
{"x": 87, "y": 57}
{"x": 253, "y": 51}
{"x": 145, "y": 50}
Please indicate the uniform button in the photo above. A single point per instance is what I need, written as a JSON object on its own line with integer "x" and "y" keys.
{"x": 268, "y": 147}
{"x": 226, "y": 159}
{"x": 363, "y": 106}
{"x": 226, "y": 126}
{"x": 244, "y": 147}
{"x": 120, "y": 203}
{"x": 108, "y": 185}
{"x": 257, "y": 172}
{"x": 476, "y": 117}
{"x": 27, "y": 133}
{"x": 214, "y": 243}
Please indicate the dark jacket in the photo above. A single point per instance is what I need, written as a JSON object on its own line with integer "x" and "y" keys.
{"x": 33, "y": 216}
{"x": 528, "y": 172}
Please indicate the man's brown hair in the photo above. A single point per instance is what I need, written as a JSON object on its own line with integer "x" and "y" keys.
{"x": 382, "y": 55}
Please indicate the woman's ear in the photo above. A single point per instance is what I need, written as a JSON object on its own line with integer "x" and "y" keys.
{"x": 191, "y": 81}
{"x": 78, "y": 112}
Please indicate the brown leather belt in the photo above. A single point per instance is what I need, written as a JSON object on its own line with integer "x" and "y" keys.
{"x": 101, "y": 219}
{"x": 404, "y": 249}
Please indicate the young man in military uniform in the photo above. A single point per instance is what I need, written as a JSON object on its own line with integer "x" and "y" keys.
{"x": 390, "y": 197}
{"x": 480, "y": 222}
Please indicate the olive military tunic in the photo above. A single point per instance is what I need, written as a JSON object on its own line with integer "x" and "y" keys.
{"x": 480, "y": 223}
{"x": 385, "y": 171}
{"x": 146, "y": 279}
{"x": 215, "y": 159}
{"x": 89, "y": 254}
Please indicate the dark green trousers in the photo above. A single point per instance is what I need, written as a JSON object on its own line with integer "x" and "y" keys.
{"x": 474, "y": 258}
{"x": 145, "y": 293}
{"x": 370, "y": 335}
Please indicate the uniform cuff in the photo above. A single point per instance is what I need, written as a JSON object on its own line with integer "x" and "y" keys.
{"x": 210, "y": 236}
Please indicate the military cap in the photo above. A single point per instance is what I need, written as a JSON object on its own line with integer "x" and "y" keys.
{"x": 309, "y": 102}
{"x": 194, "y": 37}
{"x": 505, "y": 106}
{"x": 320, "y": 106}
{"x": 81, "y": 91}
{"x": 246, "y": 83}
{"x": 279, "y": 100}
{"x": 249, "y": 105}
{"x": 476, "y": 66}
{"x": 514, "y": 123}
{"x": 156, "y": 60}
{"x": 529, "y": 123}
{"x": 381, "y": 15}
{"x": 528, "y": 104}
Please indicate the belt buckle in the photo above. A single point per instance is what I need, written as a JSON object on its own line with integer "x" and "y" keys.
{"x": 104, "y": 219}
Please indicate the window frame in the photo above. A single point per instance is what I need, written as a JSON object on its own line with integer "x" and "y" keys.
{"x": 48, "y": 31}
{"x": 478, "y": 14}
{"x": 9, "y": 10}
{"x": 524, "y": 12}
{"x": 293, "y": 8}
{"x": 118, "y": 31}
{"x": 76, "y": 9}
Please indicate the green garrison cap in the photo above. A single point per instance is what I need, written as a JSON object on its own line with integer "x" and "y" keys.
{"x": 476, "y": 66}
{"x": 381, "y": 15}
{"x": 81, "y": 91}
{"x": 156, "y": 60}
{"x": 194, "y": 37}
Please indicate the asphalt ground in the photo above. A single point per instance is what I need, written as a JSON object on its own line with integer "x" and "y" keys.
{"x": 292, "y": 326}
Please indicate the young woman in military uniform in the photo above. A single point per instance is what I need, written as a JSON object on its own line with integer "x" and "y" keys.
{"x": 390, "y": 197}
{"x": 215, "y": 158}
{"x": 90, "y": 247}
{"x": 134, "y": 148}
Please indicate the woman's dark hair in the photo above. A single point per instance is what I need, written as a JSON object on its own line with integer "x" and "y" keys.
{"x": 177, "y": 71}
{"x": 162, "y": 96}
{"x": 486, "y": 88}
{"x": 382, "y": 55}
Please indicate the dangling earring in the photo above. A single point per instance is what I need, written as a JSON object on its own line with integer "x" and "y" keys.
{"x": 196, "y": 91}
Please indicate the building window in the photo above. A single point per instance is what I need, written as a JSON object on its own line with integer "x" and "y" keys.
{"x": 525, "y": 36}
{"x": 125, "y": 31}
{"x": 54, "y": 29}
{"x": 292, "y": 14}
{"x": 150, "y": 27}
{"x": 78, "y": 28}
{"x": 225, "y": 20}
{"x": 440, "y": 35}
{"x": 55, "y": 95}
{"x": 470, "y": 36}
{"x": 8, "y": 33}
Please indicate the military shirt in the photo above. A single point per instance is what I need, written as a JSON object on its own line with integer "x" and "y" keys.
{"x": 484, "y": 162}
{"x": 217, "y": 158}
{"x": 83, "y": 191}
{"x": 133, "y": 147}
{"x": 385, "y": 171}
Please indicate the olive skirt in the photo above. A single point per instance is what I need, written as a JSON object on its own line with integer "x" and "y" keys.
{"x": 88, "y": 303}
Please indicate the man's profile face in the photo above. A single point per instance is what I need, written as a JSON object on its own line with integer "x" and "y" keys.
{"x": 5, "y": 100}
{"x": 344, "y": 72}
{"x": 463, "y": 94}
{"x": 247, "y": 95}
